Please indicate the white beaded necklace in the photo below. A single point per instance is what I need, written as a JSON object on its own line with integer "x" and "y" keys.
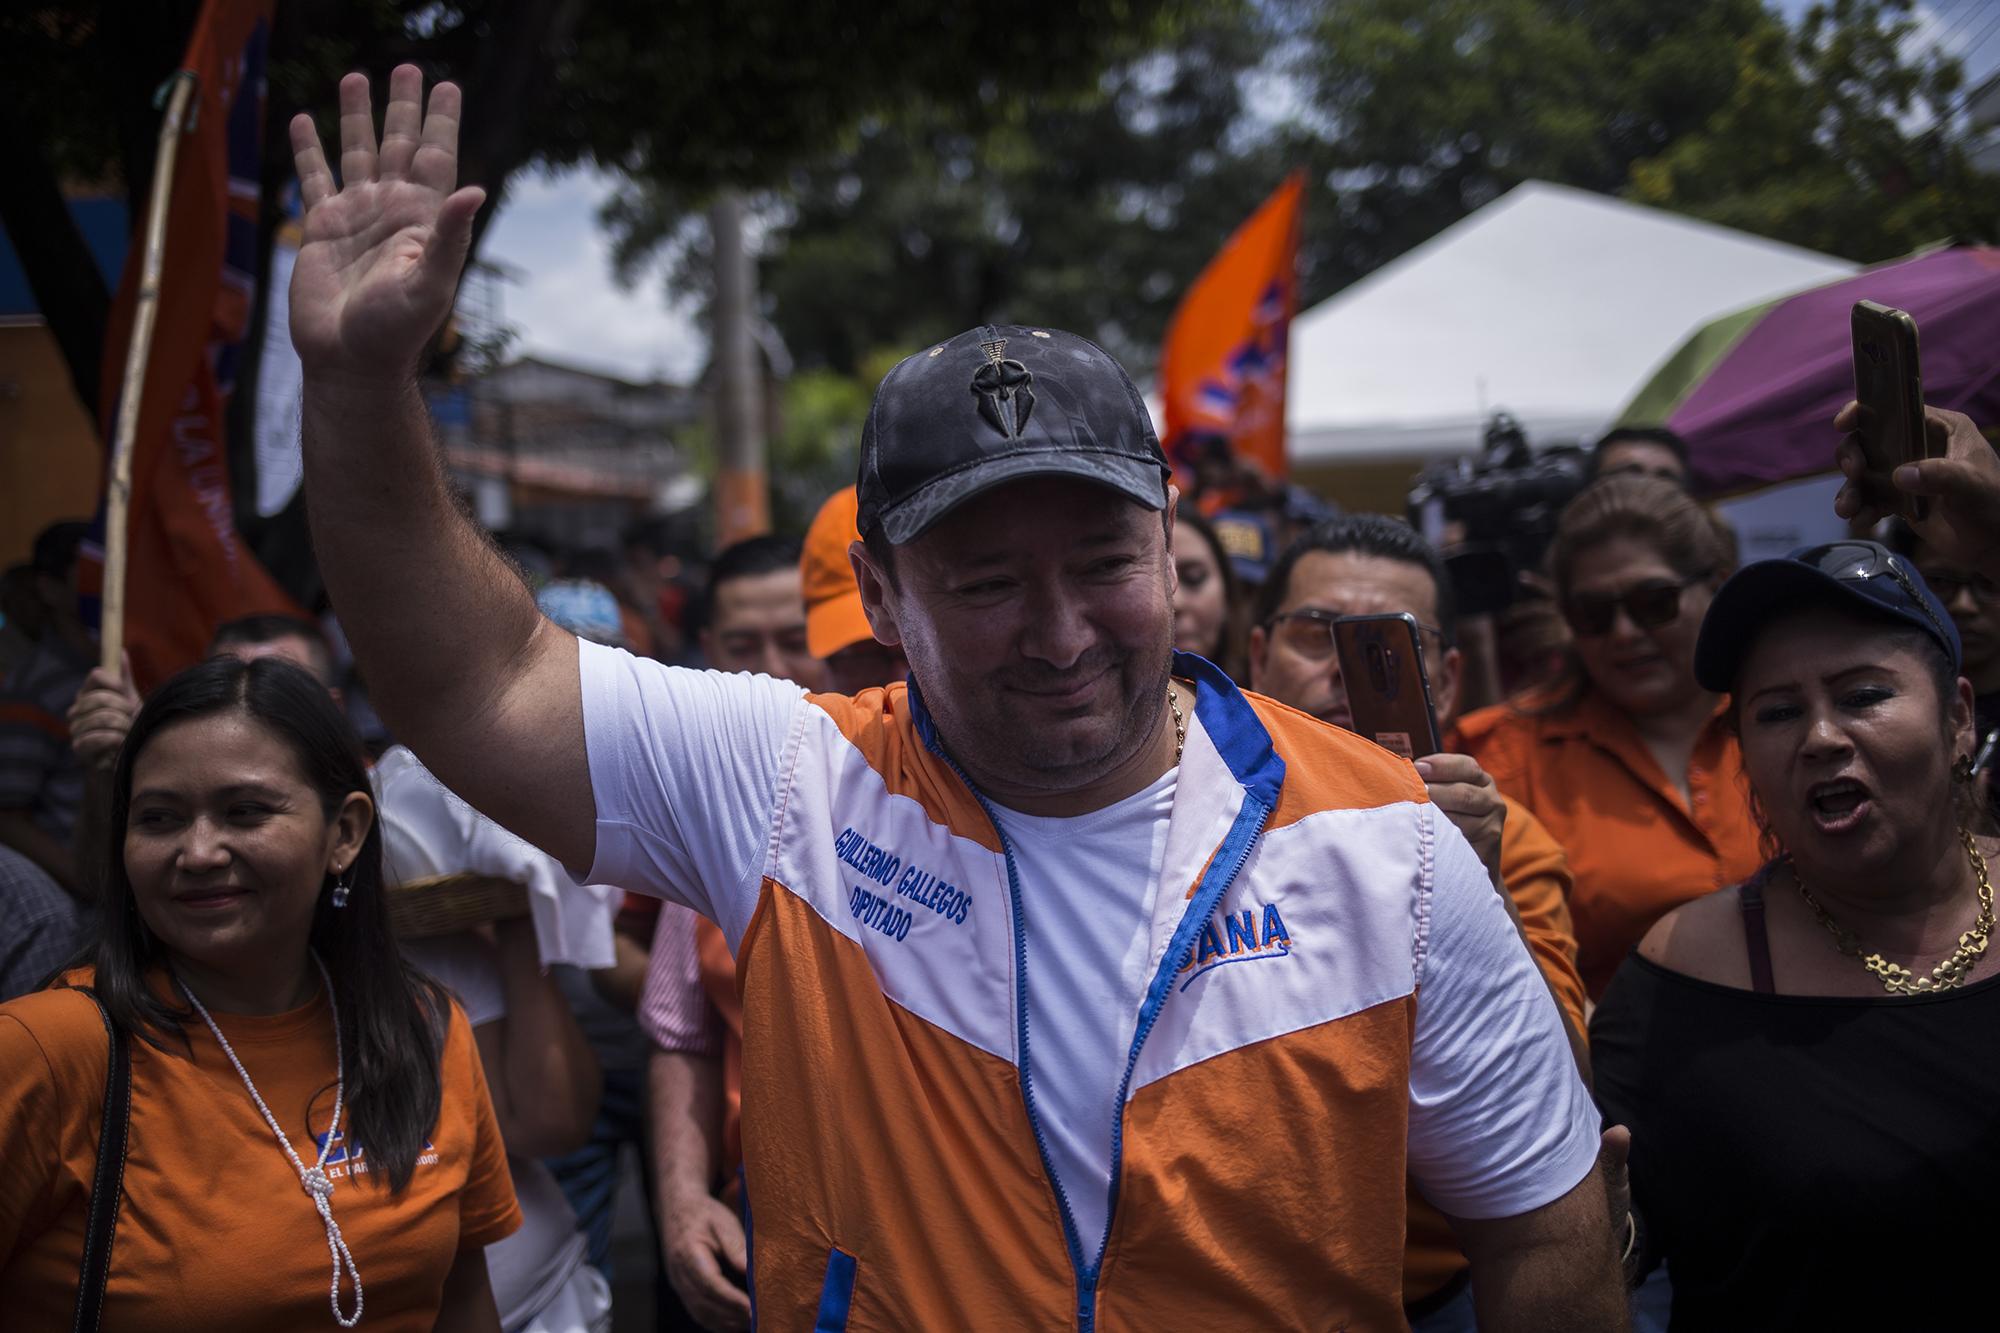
{"x": 313, "y": 1179}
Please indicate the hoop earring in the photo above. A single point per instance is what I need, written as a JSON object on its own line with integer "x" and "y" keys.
{"x": 341, "y": 888}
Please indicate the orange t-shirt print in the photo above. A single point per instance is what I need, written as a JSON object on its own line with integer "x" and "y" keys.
{"x": 215, "y": 1231}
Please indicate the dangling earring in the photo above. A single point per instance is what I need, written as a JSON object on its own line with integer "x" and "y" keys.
{"x": 1961, "y": 772}
{"x": 341, "y": 888}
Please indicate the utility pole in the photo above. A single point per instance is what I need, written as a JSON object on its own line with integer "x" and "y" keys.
{"x": 742, "y": 495}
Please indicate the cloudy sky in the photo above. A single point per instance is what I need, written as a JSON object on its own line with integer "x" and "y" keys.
{"x": 564, "y": 300}
{"x": 567, "y": 307}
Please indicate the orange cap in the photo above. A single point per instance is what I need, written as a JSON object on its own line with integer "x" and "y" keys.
{"x": 834, "y": 618}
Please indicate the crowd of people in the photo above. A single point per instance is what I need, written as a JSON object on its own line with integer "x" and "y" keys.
{"x": 984, "y": 914}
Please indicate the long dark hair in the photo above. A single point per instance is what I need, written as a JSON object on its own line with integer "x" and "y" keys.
{"x": 392, "y": 1018}
{"x": 1227, "y": 650}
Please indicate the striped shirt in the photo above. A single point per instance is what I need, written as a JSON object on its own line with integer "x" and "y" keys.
{"x": 40, "y": 927}
{"x": 39, "y": 772}
{"x": 674, "y": 1008}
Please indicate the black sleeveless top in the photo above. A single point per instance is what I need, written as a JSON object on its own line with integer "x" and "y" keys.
{"x": 1809, "y": 1163}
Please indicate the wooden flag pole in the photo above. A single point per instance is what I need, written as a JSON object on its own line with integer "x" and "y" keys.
{"x": 117, "y": 510}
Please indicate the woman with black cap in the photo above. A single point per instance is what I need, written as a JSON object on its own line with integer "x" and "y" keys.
{"x": 1808, "y": 1062}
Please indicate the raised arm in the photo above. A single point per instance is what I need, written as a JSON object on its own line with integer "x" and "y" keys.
{"x": 458, "y": 659}
{"x": 1961, "y": 479}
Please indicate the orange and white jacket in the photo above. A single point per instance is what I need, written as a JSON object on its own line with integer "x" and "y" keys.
{"x": 1336, "y": 999}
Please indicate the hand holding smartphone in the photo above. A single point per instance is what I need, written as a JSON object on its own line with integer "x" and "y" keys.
{"x": 1388, "y": 689}
{"x": 1889, "y": 388}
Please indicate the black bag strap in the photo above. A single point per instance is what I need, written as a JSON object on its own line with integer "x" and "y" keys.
{"x": 108, "y": 1184}
{"x": 1756, "y": 939}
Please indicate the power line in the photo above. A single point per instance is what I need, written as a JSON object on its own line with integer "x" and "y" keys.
{"x": 1972, "y": 84}
{"x": 1968, "y": 12}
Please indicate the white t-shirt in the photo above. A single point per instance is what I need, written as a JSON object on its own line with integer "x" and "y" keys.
{"x": 684, "y": 766}
{"x": 1083, "y": 983}
{"x": 427, "y": 830}
{"x": 533, "y": 1268}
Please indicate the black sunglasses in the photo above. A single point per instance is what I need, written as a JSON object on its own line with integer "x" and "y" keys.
{"x": 1855, "y": 561}
{"x": 1647, "y": 605}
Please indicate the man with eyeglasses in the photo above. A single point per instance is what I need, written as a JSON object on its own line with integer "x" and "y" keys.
{"x": 1974, "y": 602}
{"x": 1367, "y": 564}
{"x": 1956, "y": 546}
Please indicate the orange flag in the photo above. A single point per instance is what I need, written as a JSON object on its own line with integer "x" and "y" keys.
{"x": 187, "y": 568}
{"x": 1222, "y": 370}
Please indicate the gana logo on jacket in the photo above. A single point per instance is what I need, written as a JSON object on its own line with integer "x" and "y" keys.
{"x": 1247, "y": 936}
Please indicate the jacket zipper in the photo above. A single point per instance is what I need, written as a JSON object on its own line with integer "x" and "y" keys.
{"x": 1198, "y": 910}
{"x": 1211, "y": 889}
{"x": 1019, "y": 915}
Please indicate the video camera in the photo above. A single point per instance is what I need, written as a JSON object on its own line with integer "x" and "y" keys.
{"x": 1507, "y": 501}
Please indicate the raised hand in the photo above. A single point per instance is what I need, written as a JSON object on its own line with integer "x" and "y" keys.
{"x": 1962, "y": 481}
{"x": 102, "y": 713}
{"x": 378, "y": 268}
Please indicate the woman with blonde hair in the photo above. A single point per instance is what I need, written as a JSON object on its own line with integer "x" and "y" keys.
{"x": 1627, "y": 759}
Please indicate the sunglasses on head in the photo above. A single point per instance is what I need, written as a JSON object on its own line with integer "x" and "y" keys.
{"x": 1856, "y": 561}
{"x": 1647, "y": 605}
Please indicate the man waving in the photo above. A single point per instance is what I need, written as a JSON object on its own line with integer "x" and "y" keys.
{"x": 1079, "y": 988}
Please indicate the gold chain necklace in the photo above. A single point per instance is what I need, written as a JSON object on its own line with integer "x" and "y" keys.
{"x": 1180, "y": 723}
{"x": 1898, "y": 980}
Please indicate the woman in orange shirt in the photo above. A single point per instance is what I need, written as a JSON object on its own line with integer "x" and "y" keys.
{"x": 1628, "y": 760}
{"x": 310, "y": 1132}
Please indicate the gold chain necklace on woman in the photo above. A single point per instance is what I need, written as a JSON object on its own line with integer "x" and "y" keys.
{"x": 1898, "y": 980}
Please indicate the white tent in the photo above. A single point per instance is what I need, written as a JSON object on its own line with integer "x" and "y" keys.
{"x": 1552, "y": 303}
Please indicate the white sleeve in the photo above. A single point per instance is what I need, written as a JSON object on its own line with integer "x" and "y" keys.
{"x": 1500, "y": 1122}
{"x": 685, "y": 767}
{"x": 428, "y": 830}
{"x": 464, "y": 965}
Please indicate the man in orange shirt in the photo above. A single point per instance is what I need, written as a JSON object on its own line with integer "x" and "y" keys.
{"x": 1366, "y": 564}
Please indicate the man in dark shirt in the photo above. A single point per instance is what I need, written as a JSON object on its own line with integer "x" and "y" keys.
{"x": 39, "y": 925}
{"x": 41, "y": 776}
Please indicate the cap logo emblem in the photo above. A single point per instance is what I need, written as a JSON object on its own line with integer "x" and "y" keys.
{"x": 1006, "y": 395}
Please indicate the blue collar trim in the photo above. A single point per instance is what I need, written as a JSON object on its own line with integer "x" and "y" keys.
{"x": 1234, "y": 727}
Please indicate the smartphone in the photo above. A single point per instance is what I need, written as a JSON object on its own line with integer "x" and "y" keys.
{"x": 1388, "y": 689}
{"x": 1891, "y": 394}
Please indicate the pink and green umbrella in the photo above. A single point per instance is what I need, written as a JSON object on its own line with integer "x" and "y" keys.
{"x": 1754, "y": 393}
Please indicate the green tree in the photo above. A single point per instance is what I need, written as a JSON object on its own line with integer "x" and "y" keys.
{"x": 813, "y": 442}
{"x": 1832, "y": 138}
{"x": 813, "y": 451}
{"x": 686, "y": 95}
{"x": 1090, "y": 208}
{"x": 1826, "y": 136}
